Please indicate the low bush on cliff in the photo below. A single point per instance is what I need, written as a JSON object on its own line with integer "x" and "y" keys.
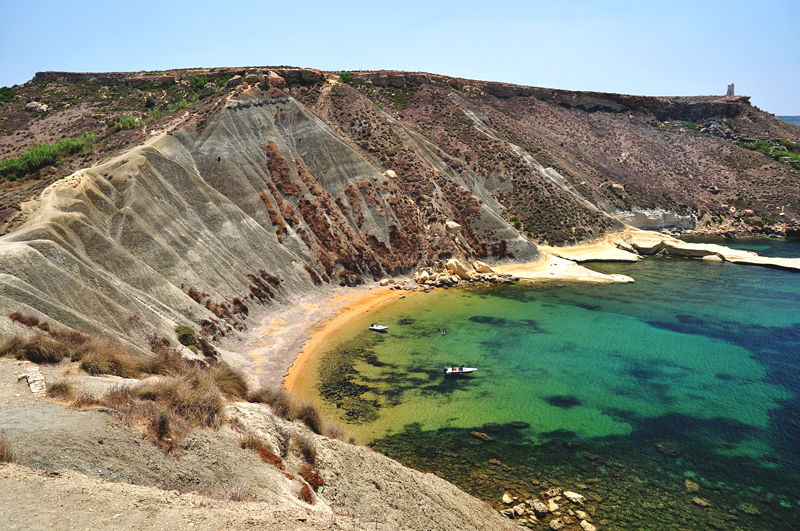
{"x": 6, "y": 94}
{"x": 762, "y": 146}
{"x": 42, "y": 155}
{"x": 128, "y": 122}
{"x": 311, "y": 476}
{"x": 186, "y": 335}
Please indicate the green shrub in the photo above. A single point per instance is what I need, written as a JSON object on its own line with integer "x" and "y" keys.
{"x": 198, "y": 82}
{"x": 794, "y": 156}
{"x": 762, "y": 146}
{"x": 183, "y": 103}
{"x": 128, "y": 122}
{"x": 6, "y": 94}
{"x": 186, "y": 335}
{"x": 346, "y": 77}
{"x": 42, "y": 155}
{"x": 153, "y": 115}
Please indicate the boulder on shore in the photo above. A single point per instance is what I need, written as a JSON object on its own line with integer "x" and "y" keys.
{"x": 458, "y": 269}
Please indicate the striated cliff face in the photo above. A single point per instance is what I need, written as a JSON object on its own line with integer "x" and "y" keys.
{"x": 261, "y": 201}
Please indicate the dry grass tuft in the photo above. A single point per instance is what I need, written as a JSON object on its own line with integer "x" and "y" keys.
{"x": 167, "y": 362}
{"x": 307, "y": 448}
{"x": 285, "y": 405}
{"x": 38, "y": 349}
{"x": 102, "y": 357}
{"x": 6, "y": 448}
{"x": 27, "y": 320}
{"x": 230, "y": 381}
{"x": 334, "y": 431}
{"x": 160, "y": 425}
{"x": 200, "y": 405}
{"x": 60, "y": 389}
{"x": 84, "y": 399}
{"x": 263, "y": 395}
{"x": 122, "y": 399}
{"x": 310, "y": 416}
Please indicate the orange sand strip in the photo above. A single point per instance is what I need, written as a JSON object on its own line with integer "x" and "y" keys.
{"x": 361, "y": 303}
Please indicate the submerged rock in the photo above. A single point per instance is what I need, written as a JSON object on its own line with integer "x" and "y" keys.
{"x": 700, "y": 502}
{"x": 538, "y": 507}
{"x": 748, "y": 508}
{"x": 574, "y": 497}
{"x": 481, "y": 436}
{"x": 668, "y": 449}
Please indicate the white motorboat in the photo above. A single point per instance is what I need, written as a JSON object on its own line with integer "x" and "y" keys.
{"x": 378, "y": 328}
{"x": 457, "y": 371}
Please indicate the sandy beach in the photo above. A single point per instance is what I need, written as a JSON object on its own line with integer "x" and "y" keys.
{"x": 283, "y": 343}
{"x": 347, "y": 307}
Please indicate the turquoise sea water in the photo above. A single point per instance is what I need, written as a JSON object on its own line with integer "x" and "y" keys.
{"x": 693, "y": 372}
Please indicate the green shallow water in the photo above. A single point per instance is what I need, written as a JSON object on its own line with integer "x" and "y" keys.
{"x": 700, "y": 355}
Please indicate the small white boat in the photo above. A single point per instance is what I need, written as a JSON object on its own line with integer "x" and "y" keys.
{"x": 456, "y": 371}
{"x": 378, "y": 328}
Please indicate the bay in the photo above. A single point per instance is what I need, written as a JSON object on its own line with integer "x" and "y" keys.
{"x": 690, "y": 373}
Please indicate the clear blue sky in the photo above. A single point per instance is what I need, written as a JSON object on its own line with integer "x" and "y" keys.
{"x": 651, "y": 48}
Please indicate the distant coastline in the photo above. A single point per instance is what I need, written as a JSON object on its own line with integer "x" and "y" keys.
{"x": 794, "y": 120}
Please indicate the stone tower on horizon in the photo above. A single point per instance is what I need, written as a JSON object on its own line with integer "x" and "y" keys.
{"x": 730, "y": 90}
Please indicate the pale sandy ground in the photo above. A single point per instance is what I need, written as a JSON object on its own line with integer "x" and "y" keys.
{"x": 33, "y": 500}
{"x": 289, "y": 334}
{"x": 624, "y": 246}
{"x": 553, "y": 268}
